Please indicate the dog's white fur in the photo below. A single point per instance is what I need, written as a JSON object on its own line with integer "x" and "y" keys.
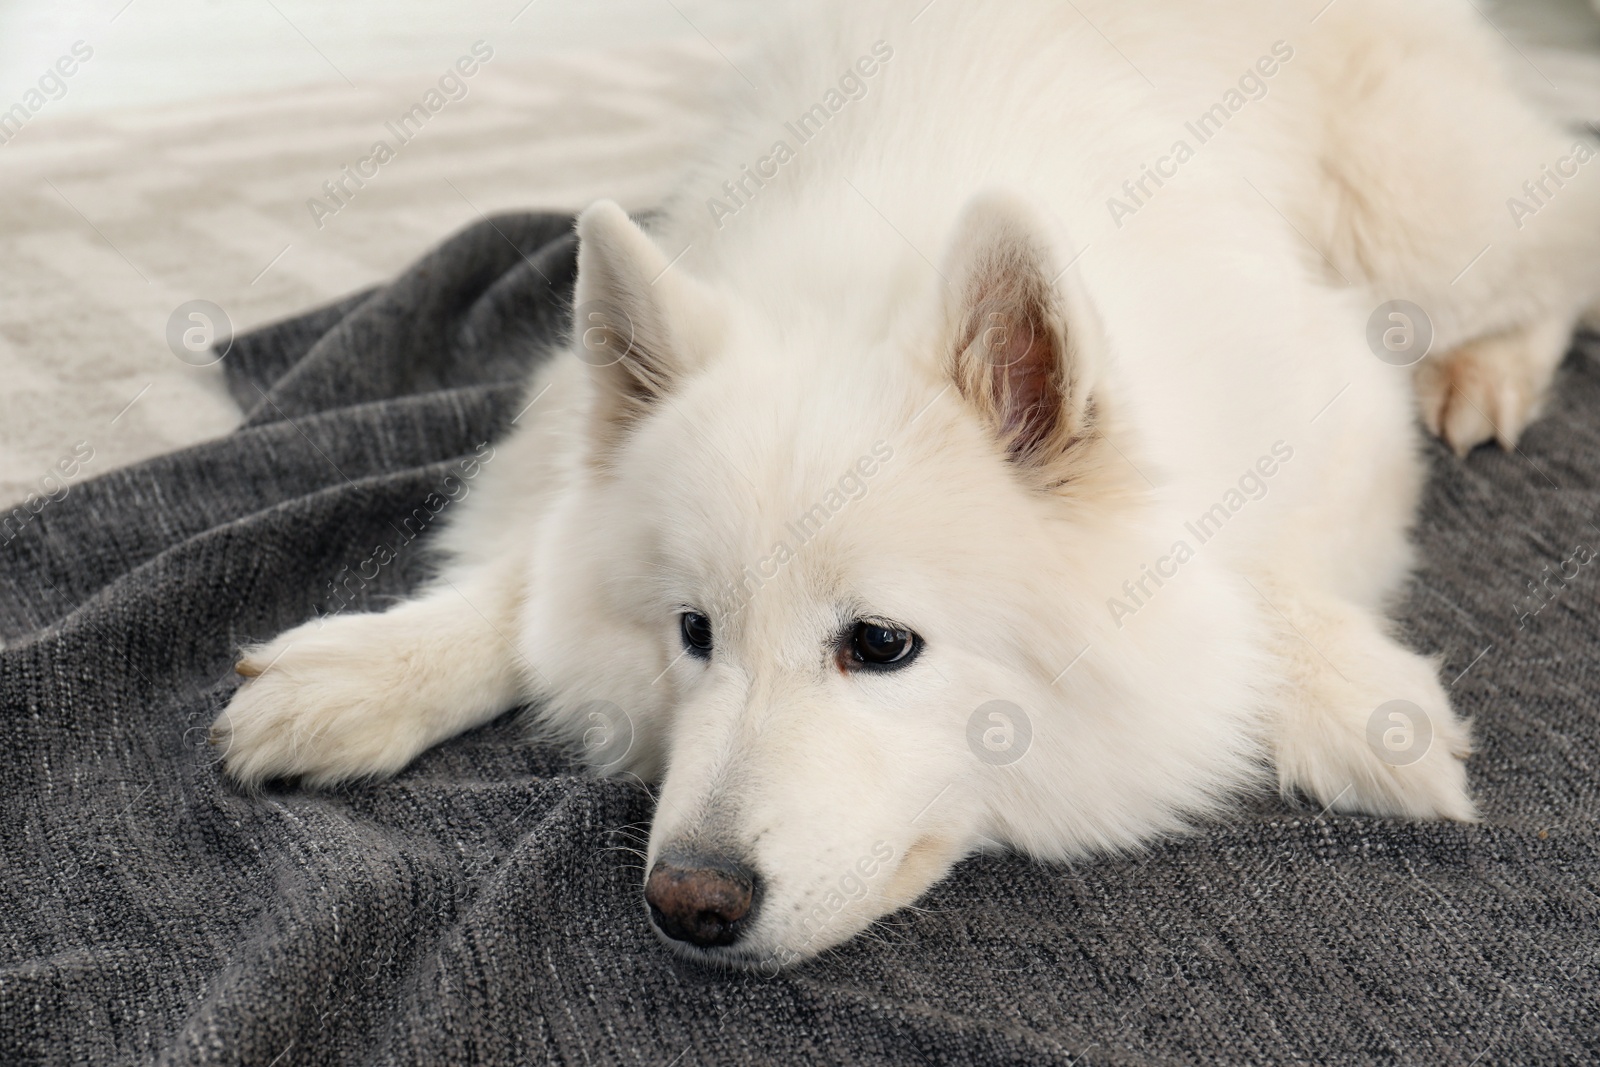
{"x": 832, "y": 313}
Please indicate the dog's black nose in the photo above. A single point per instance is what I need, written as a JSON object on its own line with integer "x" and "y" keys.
{"x": 699, "y": 902}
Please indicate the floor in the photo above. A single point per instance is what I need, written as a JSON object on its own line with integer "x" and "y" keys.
{"x": 181, "y": 162}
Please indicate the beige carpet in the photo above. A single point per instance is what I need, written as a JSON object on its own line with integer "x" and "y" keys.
{"x": 115, "y": 219}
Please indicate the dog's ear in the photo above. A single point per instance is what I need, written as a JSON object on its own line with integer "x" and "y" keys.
{"x": 1021, "y": 337}
{"x": 638, "y": 321}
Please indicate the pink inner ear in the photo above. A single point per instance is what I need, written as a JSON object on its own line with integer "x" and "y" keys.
{"x": 1027, "y": 387}
{"x": 1009, "y": 322}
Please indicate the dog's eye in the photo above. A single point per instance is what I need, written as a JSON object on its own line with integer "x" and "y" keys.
{"x": 873, "y": 645}
{"x": 696, "y": 629}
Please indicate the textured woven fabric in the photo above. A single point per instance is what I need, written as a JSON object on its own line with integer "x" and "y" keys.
{"x": 483, "y": 906}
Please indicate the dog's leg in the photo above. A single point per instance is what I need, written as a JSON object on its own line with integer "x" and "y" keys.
{"x": 362, "y": 695}
{"x": 1362, "y": 724}
{"x": 1441, "y": 186}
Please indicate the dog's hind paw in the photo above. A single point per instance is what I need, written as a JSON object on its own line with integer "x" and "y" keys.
{"x": 1490, "y": 388}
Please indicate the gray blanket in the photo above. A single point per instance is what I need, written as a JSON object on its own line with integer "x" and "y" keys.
{"x": 484, "y": 905}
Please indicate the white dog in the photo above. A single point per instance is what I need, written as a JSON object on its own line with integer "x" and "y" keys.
{"x": 1005, "y": 437}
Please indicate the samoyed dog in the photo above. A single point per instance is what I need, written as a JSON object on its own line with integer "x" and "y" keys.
{"x": 1007, "y": 437}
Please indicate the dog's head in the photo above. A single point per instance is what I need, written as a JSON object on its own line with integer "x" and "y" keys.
{"x": 841, "y": 574}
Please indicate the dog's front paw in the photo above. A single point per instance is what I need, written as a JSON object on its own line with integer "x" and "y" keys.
{"x": 1376, "y": 735}
{"x": 1408, "y": 763}
{"x": 322, "y": 702}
